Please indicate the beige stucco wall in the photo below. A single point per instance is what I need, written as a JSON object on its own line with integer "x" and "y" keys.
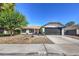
{"x": 77, "y": 31}
{"x": 63, "y": 31}
{"x": 26, "y": 32}
{"x": 43, "y": 29}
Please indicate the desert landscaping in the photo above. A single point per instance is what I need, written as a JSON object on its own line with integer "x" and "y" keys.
{"x": 25, "y": 39}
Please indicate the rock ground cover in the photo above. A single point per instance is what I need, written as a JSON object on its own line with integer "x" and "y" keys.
{"x": 24, "y": 39}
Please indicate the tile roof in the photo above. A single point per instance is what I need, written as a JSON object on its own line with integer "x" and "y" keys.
{"x": 72, "y": 27}
{"x": 54, "y": 24}
{"x": 31, "y": 27}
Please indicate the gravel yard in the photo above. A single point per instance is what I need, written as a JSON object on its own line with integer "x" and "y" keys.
{"x": 75, "y": 37}
{"x": 24, "y": 39}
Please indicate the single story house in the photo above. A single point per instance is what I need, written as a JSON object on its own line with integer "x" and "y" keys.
{"x": 30, "y": 30}
{"x": 53, "y": 28}
{"x": 23, "y": 30}
{"x": 71, "y": 30}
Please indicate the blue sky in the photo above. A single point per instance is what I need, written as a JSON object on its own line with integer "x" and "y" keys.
{"x": 42, "y": 13}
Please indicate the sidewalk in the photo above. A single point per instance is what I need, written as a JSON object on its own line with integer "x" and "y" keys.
{"x": 29, "y": 49}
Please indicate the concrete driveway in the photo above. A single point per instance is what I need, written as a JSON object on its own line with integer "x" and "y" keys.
{"x": 58, "y": 39}
{"x": 62, "y": 46}
{"x": 67, "y": 45}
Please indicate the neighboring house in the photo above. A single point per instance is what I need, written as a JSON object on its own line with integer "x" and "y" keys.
{"x": 71, "y": 30}
{"x": 30, "y": 30}
{"x": 56, "y": 28}
{"x": 53, "y": 28}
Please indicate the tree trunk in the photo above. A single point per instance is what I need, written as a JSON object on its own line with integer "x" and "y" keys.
{"x": 11, "y": 32}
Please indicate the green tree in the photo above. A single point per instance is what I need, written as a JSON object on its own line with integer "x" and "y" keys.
{"x": 10, "y": 18}
{"x": 7, "y": 6}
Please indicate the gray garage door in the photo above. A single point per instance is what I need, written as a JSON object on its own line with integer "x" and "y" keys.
{"x": 70, "y": 32}
{"x": 52, "y": 31}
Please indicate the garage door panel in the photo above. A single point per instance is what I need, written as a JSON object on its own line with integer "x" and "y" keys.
{"x": 70, "y": 32}
{"x": 52, "y": 31}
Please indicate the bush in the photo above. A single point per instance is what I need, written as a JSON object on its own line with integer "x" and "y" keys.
{"x": 17, "y": 32}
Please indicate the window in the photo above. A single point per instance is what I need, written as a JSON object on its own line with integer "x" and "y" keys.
{"x": 31, "y": 30}
{"x": 24, "y": 31}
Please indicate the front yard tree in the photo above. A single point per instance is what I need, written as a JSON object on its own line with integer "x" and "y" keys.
{"x": 7, "y": 6}
{"x": 10, "y": 20}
